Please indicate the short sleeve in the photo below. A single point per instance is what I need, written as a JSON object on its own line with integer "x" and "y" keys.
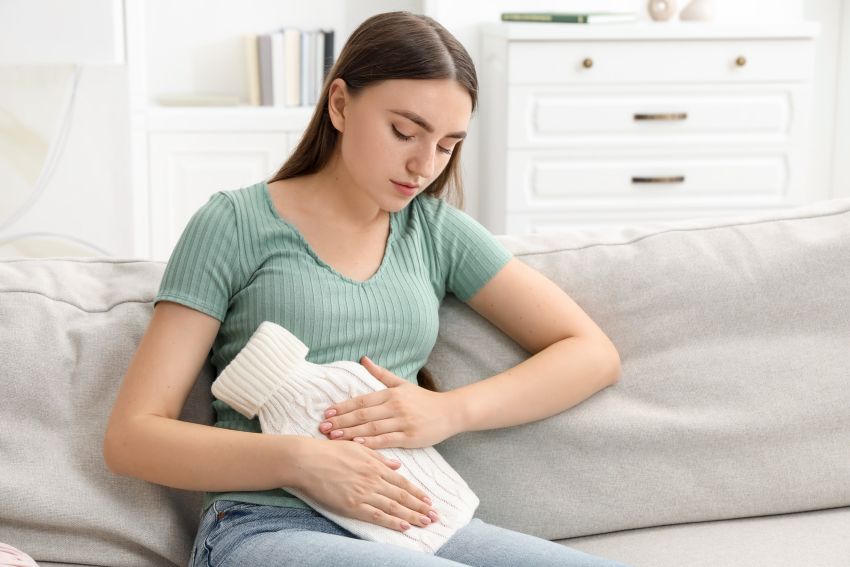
{"x": 468, "y": 254}
{"x": 203, "y": 271}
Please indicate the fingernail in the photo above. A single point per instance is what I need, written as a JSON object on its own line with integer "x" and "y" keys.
{"x": 425, "y": 520}
{"x": 325, "y": 426}
{"x": 405, "y": 526}
{"x": 336, "y": 433}
{"x": 427, "y": 500}
{"x": 330, "y": 413}
{"x": 433, "y": 515}
{"x": 359, "y": 440}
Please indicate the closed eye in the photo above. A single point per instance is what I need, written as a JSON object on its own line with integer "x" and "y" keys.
{"x": 404, "y": 138}
{"x": 401, "y": 136}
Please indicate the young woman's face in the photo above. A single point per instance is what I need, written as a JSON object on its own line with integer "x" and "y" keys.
{"x": 402, "y": 132}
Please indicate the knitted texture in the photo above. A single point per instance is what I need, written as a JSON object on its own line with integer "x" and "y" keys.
{"x": 271, "y": 378}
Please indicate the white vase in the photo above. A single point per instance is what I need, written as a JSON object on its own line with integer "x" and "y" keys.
{"x": 661, "y": 10}
{"x": 698, "y": 11}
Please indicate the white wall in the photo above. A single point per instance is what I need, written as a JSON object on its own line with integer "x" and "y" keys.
{"x": 826, "y": 103}
{"x": 841, "y": 147}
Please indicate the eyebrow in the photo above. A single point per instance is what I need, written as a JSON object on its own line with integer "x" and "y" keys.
{"x": 422, "y": 122}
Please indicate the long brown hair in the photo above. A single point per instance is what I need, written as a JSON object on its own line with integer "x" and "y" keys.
{"x": 392, "y": 45}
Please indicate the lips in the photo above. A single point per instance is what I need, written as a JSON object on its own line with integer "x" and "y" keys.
{"x": 408, "y": 185}
{"x": 405, "y": 189}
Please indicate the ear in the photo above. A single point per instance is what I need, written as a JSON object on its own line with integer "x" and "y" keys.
{"x": 337, "y": 99}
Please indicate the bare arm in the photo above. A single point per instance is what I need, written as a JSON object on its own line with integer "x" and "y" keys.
{"x": 144, "y": 438}
{"x": 572, "y": 358}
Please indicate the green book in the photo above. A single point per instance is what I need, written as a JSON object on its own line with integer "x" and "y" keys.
{"x": 570, "y": 18}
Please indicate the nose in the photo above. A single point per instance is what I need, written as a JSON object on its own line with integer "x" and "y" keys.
{"x": 422, "y": 163}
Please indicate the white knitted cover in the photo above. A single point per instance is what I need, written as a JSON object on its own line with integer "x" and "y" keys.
{"x": 270, "y": 377}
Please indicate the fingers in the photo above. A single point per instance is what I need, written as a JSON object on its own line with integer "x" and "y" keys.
{"x": 388, "y": 512}
{"x": 351, "y": 405}
{"x": 368, "y": 429}
{"x": 407, "y": 493}
{"x": 399, "y": 502}
{"x": 359, "y": 416}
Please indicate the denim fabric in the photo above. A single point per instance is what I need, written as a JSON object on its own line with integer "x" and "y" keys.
{"x": 251, "y": 535}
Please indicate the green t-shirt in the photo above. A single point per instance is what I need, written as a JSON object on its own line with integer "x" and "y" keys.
{"x": 242, "y": 263}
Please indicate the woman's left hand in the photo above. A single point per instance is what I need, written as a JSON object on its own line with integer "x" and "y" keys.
{"x": 402, "y": 415}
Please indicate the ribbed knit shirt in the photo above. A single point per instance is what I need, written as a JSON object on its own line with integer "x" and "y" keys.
{"x": 239, "y": 261}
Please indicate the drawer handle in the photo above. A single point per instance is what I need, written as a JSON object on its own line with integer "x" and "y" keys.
{"x": 670, "y": 116}
{"x": 741, "y": 61}
{"x": 587, "y": 63}
{"x": 673, "y": 179}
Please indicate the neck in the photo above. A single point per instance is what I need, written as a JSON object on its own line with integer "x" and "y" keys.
{"x": 332, "y": 194}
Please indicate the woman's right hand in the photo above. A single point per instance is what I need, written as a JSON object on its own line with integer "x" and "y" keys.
{"x": 358, "y": 482}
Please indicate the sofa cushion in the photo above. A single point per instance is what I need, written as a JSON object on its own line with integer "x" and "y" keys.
{"x": 734, "y": 396}
{"x": 68, "y": 329}
{"x": 787, "y": 540}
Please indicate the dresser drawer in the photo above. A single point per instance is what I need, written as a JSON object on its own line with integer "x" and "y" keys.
{"x": 539, "y": 117}
{"x": 589, "y": 62}
{"x": 540, "y": 181}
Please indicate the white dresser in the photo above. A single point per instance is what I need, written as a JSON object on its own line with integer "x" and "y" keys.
{"x": 585, "y": 125}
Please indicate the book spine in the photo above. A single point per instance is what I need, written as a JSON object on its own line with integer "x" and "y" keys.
{"x": 252, "y": 66}
{"x": 329, "y": 53}
{"x": 305, "y": 65}
{"x": 293, "y": 67}
{"x": 278, "y": 70}
{"x": 318, "y": 64}
{"x": 265, "y": 55}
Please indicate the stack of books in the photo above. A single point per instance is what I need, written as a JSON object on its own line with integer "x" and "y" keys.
{"x": 287, "y": 67}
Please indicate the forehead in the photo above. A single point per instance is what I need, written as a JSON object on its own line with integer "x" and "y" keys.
{"x": 445, "y": 103}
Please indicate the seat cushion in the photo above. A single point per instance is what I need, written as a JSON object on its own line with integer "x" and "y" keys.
{"x": 69, "y": 329}
{"x": 787, "y": 540}
{"x": 734, "y": 396}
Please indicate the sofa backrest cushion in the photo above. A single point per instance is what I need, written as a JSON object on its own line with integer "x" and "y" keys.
{"x": 68, "y": 329}
{"x": 734, "y": 400}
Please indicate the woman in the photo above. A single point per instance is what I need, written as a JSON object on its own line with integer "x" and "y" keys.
{"x": 342, "y": 248}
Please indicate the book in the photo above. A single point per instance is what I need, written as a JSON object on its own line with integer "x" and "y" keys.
{"x": 303, "y": 67}
{"x": 278, "y": 70}
{"x": 317, "y": 65}
{"x": 329, "y": 53}
{"x": 264, "y": 50}
{"x": 293, "y": 66}
{"x": 253, "y": 68}
{"x": 570, "y": 18}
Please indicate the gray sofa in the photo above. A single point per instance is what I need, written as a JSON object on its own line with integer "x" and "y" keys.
{"x": 726, "y": 441}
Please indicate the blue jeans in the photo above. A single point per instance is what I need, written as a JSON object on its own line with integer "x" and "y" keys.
{"x": 250, "y": 535}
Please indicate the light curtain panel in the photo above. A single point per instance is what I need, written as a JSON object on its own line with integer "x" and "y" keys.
{"x": 35, "y": 108}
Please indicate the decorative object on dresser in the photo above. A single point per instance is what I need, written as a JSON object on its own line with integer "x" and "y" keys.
{"x": 608, "y": 125}
{"x": 661, "y": 10}
{"x": 698, "y": 11}
{"x": 570, "y": 18}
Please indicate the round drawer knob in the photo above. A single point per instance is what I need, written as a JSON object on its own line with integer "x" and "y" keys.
{"x": 741, "y": 61}
{"x": 587, "y": 63}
